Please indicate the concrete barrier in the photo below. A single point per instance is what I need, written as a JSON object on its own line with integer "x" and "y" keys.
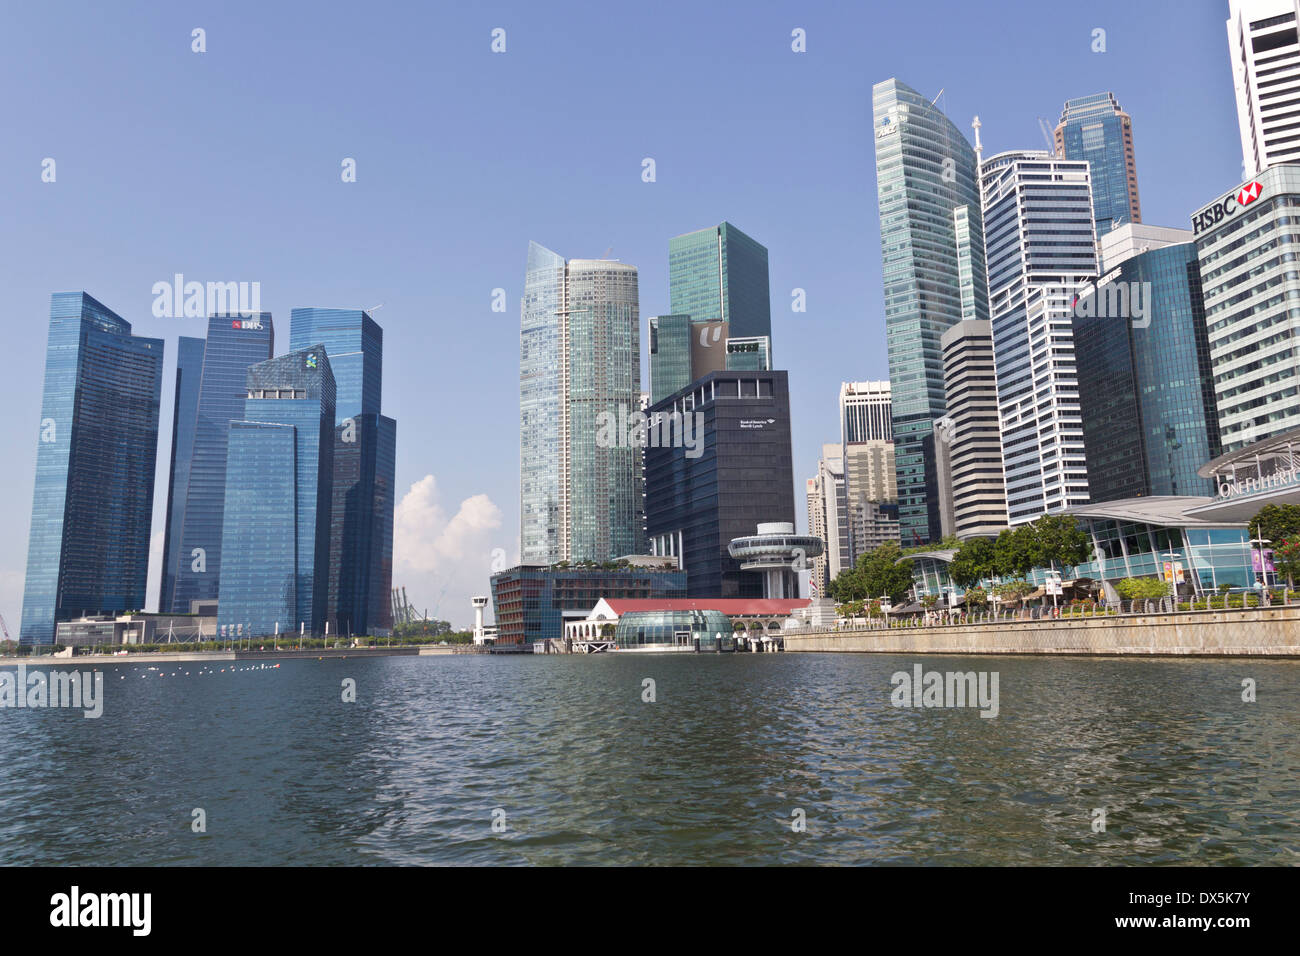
{"x": 1258, "y": 632}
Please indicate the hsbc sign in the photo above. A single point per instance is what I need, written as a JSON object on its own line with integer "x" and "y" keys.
{"x": 1226, "y": 207}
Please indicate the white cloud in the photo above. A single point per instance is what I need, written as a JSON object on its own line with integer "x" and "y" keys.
{"x": 442, "y": 561}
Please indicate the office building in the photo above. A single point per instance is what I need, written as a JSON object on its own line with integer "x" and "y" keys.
{"x": 866, "y": 430}
{"x": 670, "y": 355}
{"x": 185, "y": 411}
{"x": 1127, "y": 241}
{"x": 92, "y": 503}
{"x": 1041, "y": 244}
{"x": 835, "y": 521}
{"x": 749, "y": 354}
{"x": 1145, "y": 384}
{"x": 365, "y": 457}
{"x": 279, "y": 491}
{"x": 532, "y": 603}
{"x": 234, "y": 343}
{"x": 871, "y": 524}
{"x": 932, "y": 251}
{"x": 717, "y": 464}
{"x": 1095, "y": 129}
{"x": 579, "y": 381}
{"x": 719, "y": 275}
{"x": 1264, "y": 49}
{"x": 1248, "y": 248}
{"x": 969, "y": 440}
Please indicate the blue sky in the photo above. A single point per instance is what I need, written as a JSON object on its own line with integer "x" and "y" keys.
{"x": 225, "y": 166}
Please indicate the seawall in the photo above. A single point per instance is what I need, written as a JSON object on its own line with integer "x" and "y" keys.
{"x": 1257, "y": 632}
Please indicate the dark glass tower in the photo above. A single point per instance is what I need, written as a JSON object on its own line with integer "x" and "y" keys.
{"x": 670, "y": 355}
{"x": 932, "y": 250}
{"x": 185, "y": 410}
{"x": 92, "y": 504}
{"x": 1145, "y": 384}
{"x": 234, "y": 343}
{"x": 738, "y": 474}
{"x": 1096, "y": 129}
{"x": 365, "y": 457}
{"x": 279, "y": 491}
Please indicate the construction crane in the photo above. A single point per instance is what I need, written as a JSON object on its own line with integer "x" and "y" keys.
{"x": 1047, "y": 136}
{"x": 5, "y": 628}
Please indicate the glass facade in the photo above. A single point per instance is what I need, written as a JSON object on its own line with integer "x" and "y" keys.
{"x": 361, "y": 524}
{"x": 738, "y": 475}
{"x": 185, "y": 410}
{"x": 1145, "y": 385}
{"x": 234, "y": 343}
{"x": 97, "y": 445}
{"x": 579, "y": 370}
{"x": 749, "y": 355}
{"x": 1095, "y": 129}
{"x": 355, "y": 344}
{"x": 532, "y": 603}
{"x": 670, "y": 355}
{"x": 720, "y": 274}
{"x": 638, "y": 630}
{"x": 294, "y": 390}
{"x": 934, "y": 275}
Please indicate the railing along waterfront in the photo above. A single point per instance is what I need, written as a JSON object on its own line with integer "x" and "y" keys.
{"x": 1115, "y": 610}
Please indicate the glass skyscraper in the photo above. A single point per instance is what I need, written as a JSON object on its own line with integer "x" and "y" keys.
{"x": 365, "y": 460}
{"x": 579, "y": 371}
{"x": 670, "y": 355}
{"x": 1095, "y": 129}
{"x": 719, "y": 274}
{"x": 92, "y": 505}
{"x": 185, "y": 410}
{"x": 1145, "y": 384}
{"x": 932, "y": 251}
{"x": 279, "y": 492}
{"x": 234, "y": 343}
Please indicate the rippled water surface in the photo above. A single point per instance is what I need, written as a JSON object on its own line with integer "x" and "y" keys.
{"x": 711, "y": 772}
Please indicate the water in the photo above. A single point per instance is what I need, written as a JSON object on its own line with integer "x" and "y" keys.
{"x": 585, "y": 772}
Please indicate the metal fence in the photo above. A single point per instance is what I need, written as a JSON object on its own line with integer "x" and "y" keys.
{"x": 1204, "y": 604}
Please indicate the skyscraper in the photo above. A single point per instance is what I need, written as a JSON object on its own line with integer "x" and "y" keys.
{"x": 279, "y": 490}
{"x": 1247, "y": 246}
{"x": 835, "y": 521}
{"x": 719, "y": 274}
{"x": 718, "y": 279}
{"x": 234, "y": 342}
{"x": 1094, "y": 128}
{"x": 1042, "y": 248}
{"x": 670, "y": 355}
{"x": 185, "y": 410}
{"x": 932, "y": 247}
{"x": 579, "y": 378}
{"x": 1145, "y": 383}
{"x": 1264, "y": 48}
{"x": 866, "y": 429}
{"x": 92, "y": 504}
{"x": 969, "y": 440}
{"x": 731, "y": 471}
{"x": 365, "y": 449}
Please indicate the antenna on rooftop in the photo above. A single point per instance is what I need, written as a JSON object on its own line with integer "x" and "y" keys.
{"x": 937, "y": 95}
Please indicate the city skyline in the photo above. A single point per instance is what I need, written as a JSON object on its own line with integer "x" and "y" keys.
{"x": 457, "y": 504}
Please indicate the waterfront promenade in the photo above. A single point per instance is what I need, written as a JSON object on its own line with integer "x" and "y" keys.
{"x": 1251, "y": 632}
{"x": 283, "y": 654}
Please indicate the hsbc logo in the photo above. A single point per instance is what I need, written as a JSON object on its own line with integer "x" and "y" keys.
{"x": 1211, "y": 216}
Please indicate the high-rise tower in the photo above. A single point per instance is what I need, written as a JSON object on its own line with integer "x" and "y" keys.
{"x": 932, "y": 247}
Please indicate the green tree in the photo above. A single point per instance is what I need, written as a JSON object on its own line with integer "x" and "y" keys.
{"x": 976, "y": 599}
{"x": 1137, "y": 589}
{"x": 1059, "y": 540}
{"x": 973, "y": 561}
{"x": 1015, "y": 551}
{"x": 1276, "y": 522}
{"x": 1286, "y": 559}
{"x": 875, "y": 574}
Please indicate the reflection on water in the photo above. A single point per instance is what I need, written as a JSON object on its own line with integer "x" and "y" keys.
{"x": 712, "y": 772}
